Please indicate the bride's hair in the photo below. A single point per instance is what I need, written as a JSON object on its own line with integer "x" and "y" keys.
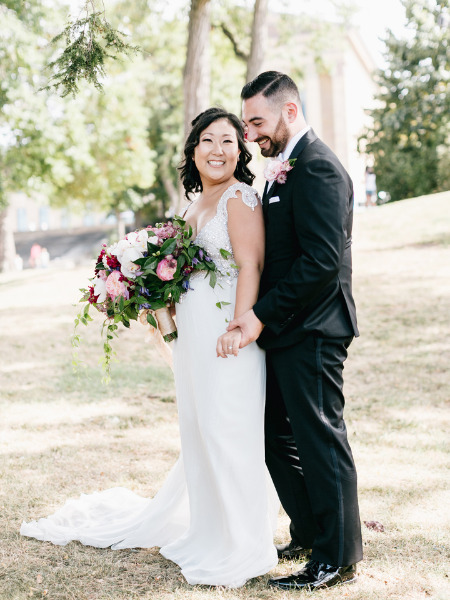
{"x": 190, "y": 177}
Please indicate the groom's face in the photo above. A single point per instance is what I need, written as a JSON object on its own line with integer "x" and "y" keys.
{"x": 265, "y": 124}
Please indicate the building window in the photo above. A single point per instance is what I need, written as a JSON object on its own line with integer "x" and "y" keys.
{"x": 22, "y": 221}
{"x": 44, "y": 218}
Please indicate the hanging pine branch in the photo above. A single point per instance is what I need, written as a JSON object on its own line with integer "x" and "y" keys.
{"x": 90, "y": 40}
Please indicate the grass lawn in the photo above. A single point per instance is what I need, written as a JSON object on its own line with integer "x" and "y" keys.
{"x": 62, "y": 434}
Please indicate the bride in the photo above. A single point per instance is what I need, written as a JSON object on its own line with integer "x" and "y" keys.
{"x": 215, "y": 514}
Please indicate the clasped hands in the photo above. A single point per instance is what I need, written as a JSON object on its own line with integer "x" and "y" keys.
{"x": 240, "y": 332}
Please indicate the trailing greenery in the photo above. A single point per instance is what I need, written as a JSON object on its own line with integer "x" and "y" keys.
{"x": 410, "y": 129}
{"x": 89, "y": 42}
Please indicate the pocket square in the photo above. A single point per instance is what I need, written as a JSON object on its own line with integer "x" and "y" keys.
{"x": 274, "y": 199}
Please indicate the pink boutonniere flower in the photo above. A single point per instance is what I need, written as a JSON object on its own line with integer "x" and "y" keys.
{"x": 277, "y": 170}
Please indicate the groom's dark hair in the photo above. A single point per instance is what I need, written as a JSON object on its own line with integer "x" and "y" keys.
{"x": 277, "y": 87}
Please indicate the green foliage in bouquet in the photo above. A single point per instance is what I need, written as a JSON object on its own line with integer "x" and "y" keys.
{"x": 146, "y": 271}
{"x": 179, "y": 251}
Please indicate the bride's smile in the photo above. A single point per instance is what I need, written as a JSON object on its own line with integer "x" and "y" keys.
{"x": 217, "y": 152}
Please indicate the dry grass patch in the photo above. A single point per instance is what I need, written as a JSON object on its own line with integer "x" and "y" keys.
{"x": 63, "y": 434}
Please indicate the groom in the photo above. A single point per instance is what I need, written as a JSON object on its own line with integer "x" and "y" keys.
{"x": 305, "y": 319}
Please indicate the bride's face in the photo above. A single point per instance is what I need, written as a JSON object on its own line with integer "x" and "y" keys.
{"x": 217, "y": 152}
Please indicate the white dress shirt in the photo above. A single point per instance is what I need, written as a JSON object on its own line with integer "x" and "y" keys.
{"x": 290, "y": 146}
{"x": 292, "y": 143}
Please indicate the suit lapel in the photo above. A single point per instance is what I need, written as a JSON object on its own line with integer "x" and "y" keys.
{"x": 308, "y": 138}
{"x": 268, "y": 195}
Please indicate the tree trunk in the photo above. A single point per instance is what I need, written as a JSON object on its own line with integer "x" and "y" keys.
{"x": 196, "y": 77}
{"x": 7, "y": 245}
{"x": 259, "y": 40}
{"x": 171, "y": 189}
{"x": 120, "y": 225}
{"x": 197, "y": 70}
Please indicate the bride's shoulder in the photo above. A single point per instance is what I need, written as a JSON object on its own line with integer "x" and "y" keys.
{"x": 247, "y": 193}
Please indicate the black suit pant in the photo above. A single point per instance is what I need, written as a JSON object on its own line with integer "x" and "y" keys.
{"x": 307, "y": 452}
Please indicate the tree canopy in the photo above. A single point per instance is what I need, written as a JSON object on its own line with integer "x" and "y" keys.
{"x": 110, "y": 136}
{"x": 409, "y": 135}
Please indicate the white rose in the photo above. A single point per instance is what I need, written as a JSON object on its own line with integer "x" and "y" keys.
{"x": 138, "y": 240}
{"x": 100, "y": 289}
{"x": 120, "y": 248}
{"x": 128, "y": 268}
{"x": 112, "y": 249}
{"x": 142, "y": 239}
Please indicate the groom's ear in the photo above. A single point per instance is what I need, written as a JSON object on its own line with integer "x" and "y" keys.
{"x": 291, "y": 111}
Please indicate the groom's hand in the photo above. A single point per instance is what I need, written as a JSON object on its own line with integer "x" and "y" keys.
{"x": 250, "y": 325}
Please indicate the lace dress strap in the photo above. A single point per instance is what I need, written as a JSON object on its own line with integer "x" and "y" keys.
{"x": 250, "y": 196}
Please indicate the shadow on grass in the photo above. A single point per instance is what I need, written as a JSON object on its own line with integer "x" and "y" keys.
{"x": 86, "y": 386}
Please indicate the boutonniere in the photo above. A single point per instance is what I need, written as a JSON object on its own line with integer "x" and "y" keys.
{"x": 277, "y": 170}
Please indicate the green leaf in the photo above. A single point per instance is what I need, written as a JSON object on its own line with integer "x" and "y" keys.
{"x": 168, "y": 247}
{"x": 222, "y": 304}
{"x": 181, "y": 261}
{"x": 152, "y": 248}
{"x": 131, "y": 312}
{"x": 151, "y": 319}
{"x": 157, "y": 304}
{"x": 224, "y": 253}
{"x": 178, "y": 221}
{"x": 212, "y": 279}
{"x": 150, "y": 262}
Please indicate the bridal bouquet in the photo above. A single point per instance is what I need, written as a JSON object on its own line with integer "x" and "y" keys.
{"x": 139, "y": 276}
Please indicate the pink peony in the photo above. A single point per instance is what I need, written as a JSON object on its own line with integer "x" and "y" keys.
{"x": 278, "y": 170}
{"x": 163, "y": 231}
{"x": 166, "y": 268}
{"x": 115, "y": 287}
{"x": 273, "y": 170}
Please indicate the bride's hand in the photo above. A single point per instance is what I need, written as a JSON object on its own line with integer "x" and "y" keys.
{"x": 228, "y": 343}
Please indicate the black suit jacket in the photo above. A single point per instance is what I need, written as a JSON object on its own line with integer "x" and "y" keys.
{"x": 306, "y": 284}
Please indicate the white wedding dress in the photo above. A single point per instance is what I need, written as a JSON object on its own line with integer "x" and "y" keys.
{"x": 216, "y": 513}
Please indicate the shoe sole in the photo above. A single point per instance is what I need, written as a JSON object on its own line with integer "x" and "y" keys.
{"x": 354, "y": 579}
{"x": 310, "y": 587}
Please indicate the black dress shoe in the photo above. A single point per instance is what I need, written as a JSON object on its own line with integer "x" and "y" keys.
{"x": 315, "y": 575}
{"x": 291, "y": 550}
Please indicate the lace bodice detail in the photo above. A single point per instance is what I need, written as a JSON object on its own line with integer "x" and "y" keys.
{"x": 214, "y": 237}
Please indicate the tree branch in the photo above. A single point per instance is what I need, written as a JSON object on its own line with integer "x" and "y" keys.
{"x": 239, "y": 53}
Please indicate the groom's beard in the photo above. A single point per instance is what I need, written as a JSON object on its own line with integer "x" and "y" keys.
{"x": 278, "y": 141}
